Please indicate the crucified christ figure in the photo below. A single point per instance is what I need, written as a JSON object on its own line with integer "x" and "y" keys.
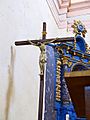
{"x": 42, "y": 57}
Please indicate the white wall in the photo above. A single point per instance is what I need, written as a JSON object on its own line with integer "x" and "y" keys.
{"x": 20, "y": 20}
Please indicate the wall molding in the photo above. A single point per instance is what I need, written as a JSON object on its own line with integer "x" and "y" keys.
{"x": 64, "y": 12}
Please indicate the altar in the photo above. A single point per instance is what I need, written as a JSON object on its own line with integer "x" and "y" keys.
{"x": 65, "y": 71}
{"x": 67, "y": 79}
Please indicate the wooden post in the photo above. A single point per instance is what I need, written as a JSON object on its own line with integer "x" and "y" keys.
{"x": 41, "y": 91}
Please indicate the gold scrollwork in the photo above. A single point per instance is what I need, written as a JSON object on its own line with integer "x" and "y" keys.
{"x": 74, "y": 43}
{"x": 58, "y": 82}
{"x": 69, "y": 64}
{"x": 88, "y": 62}
{"x": 87, "y": 49}
{"x": 65, "y": 60}
{"x": 79, "y": 28}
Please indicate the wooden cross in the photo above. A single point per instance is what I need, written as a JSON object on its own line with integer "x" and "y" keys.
{"x": 41, "y": 44}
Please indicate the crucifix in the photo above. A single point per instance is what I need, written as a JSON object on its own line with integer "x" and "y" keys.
{"x": 42, "y": 60}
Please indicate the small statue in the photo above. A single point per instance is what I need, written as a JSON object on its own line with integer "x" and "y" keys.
{"x": 79, "y": 28}
{"x": 42, "y": 57}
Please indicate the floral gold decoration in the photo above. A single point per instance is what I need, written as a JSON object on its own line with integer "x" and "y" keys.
{"x": 79, "y": 28}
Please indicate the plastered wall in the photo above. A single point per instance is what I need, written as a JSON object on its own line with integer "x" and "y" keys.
{"x": 19, "y": 69}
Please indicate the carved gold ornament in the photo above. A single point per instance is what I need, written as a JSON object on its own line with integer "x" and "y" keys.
{"x": 79, "y": 28}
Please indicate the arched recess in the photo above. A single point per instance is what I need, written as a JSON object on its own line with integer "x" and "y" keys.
{"x": 79, "y": 67}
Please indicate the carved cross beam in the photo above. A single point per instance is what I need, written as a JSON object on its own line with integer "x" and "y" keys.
{"x": 56, "y": 40}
